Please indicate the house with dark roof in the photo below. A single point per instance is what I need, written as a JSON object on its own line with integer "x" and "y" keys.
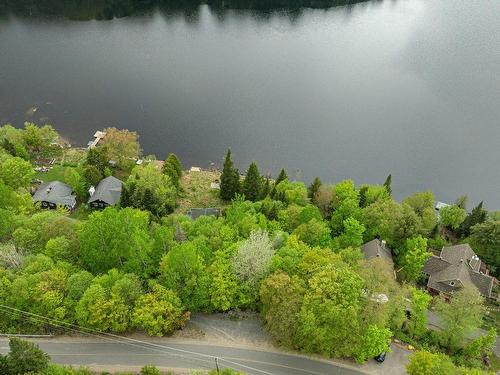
{"x": 195, "y": 213}
{"x": 455, "y": 267}
{"x": 107, "y": 193}
{"x": 55, "y": 193}
{"x": 377, "y": 249}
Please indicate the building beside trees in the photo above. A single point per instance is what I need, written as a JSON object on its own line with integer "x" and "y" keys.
{"x": 107, "y": 193}
{"x": 53, "y": 194}
{"x": 455, "y": 267}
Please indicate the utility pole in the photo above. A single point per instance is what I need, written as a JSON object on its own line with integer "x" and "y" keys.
{"x": 217, "y": 364}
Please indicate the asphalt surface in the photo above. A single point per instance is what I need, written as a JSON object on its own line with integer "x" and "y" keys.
{"x": 192, "y": 356}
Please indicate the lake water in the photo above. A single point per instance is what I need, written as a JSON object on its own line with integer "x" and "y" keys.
{"x": 409, "y": 87}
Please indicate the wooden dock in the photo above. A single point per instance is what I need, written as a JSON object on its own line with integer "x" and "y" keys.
{"x": 98, "y": 136}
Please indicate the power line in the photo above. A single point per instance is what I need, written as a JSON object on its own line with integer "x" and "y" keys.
{"x": 141, "y": 346}
{"x": 129, "y": 341}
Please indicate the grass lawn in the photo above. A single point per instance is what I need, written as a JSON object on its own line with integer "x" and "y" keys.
{"x": 73, "y": 157}
{"x": 197, "y": 192}
{"x": 56, "y": 173}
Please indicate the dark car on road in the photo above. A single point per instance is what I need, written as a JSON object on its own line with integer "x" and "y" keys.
{"x": 381, "y": 357}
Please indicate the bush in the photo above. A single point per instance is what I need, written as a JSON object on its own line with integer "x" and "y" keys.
{"x": 150, "y": 370}
{"x": 25, "y": 357}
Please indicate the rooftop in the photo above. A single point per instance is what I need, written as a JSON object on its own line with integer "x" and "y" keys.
{"x": 55, "y": 192}
{"x": 455, "y": 267}
{"x": 108, "y": 190}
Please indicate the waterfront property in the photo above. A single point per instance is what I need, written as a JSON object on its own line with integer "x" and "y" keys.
{"x": 55, "y": 193}
{"x": 107, "y": 193}
{"x": 455, "y": 267}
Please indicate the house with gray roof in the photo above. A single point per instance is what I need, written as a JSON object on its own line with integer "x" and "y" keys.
{"x": 195, "y": 213}
{"x": 455, "y": 267}
{"x": 107, "y": 193}
{"x": 55, "y": 193}
{"x": 377, "y": 249}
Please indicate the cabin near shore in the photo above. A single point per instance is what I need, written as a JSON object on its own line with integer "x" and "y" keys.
{"x": 53, "y": 194}
{"x": 107, "y": 193}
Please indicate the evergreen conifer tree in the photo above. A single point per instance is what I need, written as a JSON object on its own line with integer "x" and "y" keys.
{"x": 266, "y": 189}
{"x": 362, "y": 196}
{"x": 148, "y": 201}
{"x": 252, "y": 185}
{"x": 313, "y": 189}
{"x": 281, "y": 177}
{"x": 173, "y": 169}
{"x": 9, "y": 147}
{"x": 230, "y": 179}
{"x": 387, "y": 184}
{"x": 476, "y": 216}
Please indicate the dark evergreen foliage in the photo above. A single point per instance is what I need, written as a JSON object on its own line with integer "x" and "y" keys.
{"x": 173, "y": 168}
{"x": 252, "y": 185}
{"x": 266, "y": 189}
{"x": 476, "y": 216}
{"x": 313, "y": 189}
{"x": 362, "y": 196}
{"x": 230, "y": 179}
{"x": 281, "y": 177}
{"x": 9, "y": 147}
{"x": 388, "y": 183}
{"x": 97, "y": 158}
{"x": 92, "y": 175}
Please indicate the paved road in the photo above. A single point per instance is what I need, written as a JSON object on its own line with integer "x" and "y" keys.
{"x": 194, "y": 356}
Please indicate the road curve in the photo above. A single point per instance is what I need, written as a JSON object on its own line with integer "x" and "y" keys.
{"x": 175, "y": 355}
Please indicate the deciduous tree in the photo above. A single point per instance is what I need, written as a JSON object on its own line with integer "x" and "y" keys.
{"x": 252, "y": 259}
{"x": 122, "y": 146}
{"x": 281, "y": 297}
{"x": 414, "y": 258}
{"x": 182, "y": 271}
{"x": 452, "y": 216}
{"x": 159, "y": 312}
{"x": 461, "y": 316}
{"x": 16, "y": 172}
{"x": 328, "y": 319}
{"x": 115, "y": 238}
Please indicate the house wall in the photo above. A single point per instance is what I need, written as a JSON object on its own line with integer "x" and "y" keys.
{"x": 99, "y": 205}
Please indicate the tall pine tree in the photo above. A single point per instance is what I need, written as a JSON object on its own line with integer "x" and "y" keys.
{"x": 229, "y": 180}
{"x": 388, "y": 183}
{"x": 282, "y": 177}
{"x": 252, "y": 185}
{"x": 266, "y": 189}
{"x": 362, "y": 196}
{"x": 313, "y": 189}
{"x": 173, "y": 168}
{"x": 476, "y": 216}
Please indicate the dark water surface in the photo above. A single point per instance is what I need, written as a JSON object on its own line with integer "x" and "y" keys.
{"x": 409, "y": 87}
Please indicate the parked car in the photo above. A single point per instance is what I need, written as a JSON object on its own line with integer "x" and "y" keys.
{"x": 381, "y": 357}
